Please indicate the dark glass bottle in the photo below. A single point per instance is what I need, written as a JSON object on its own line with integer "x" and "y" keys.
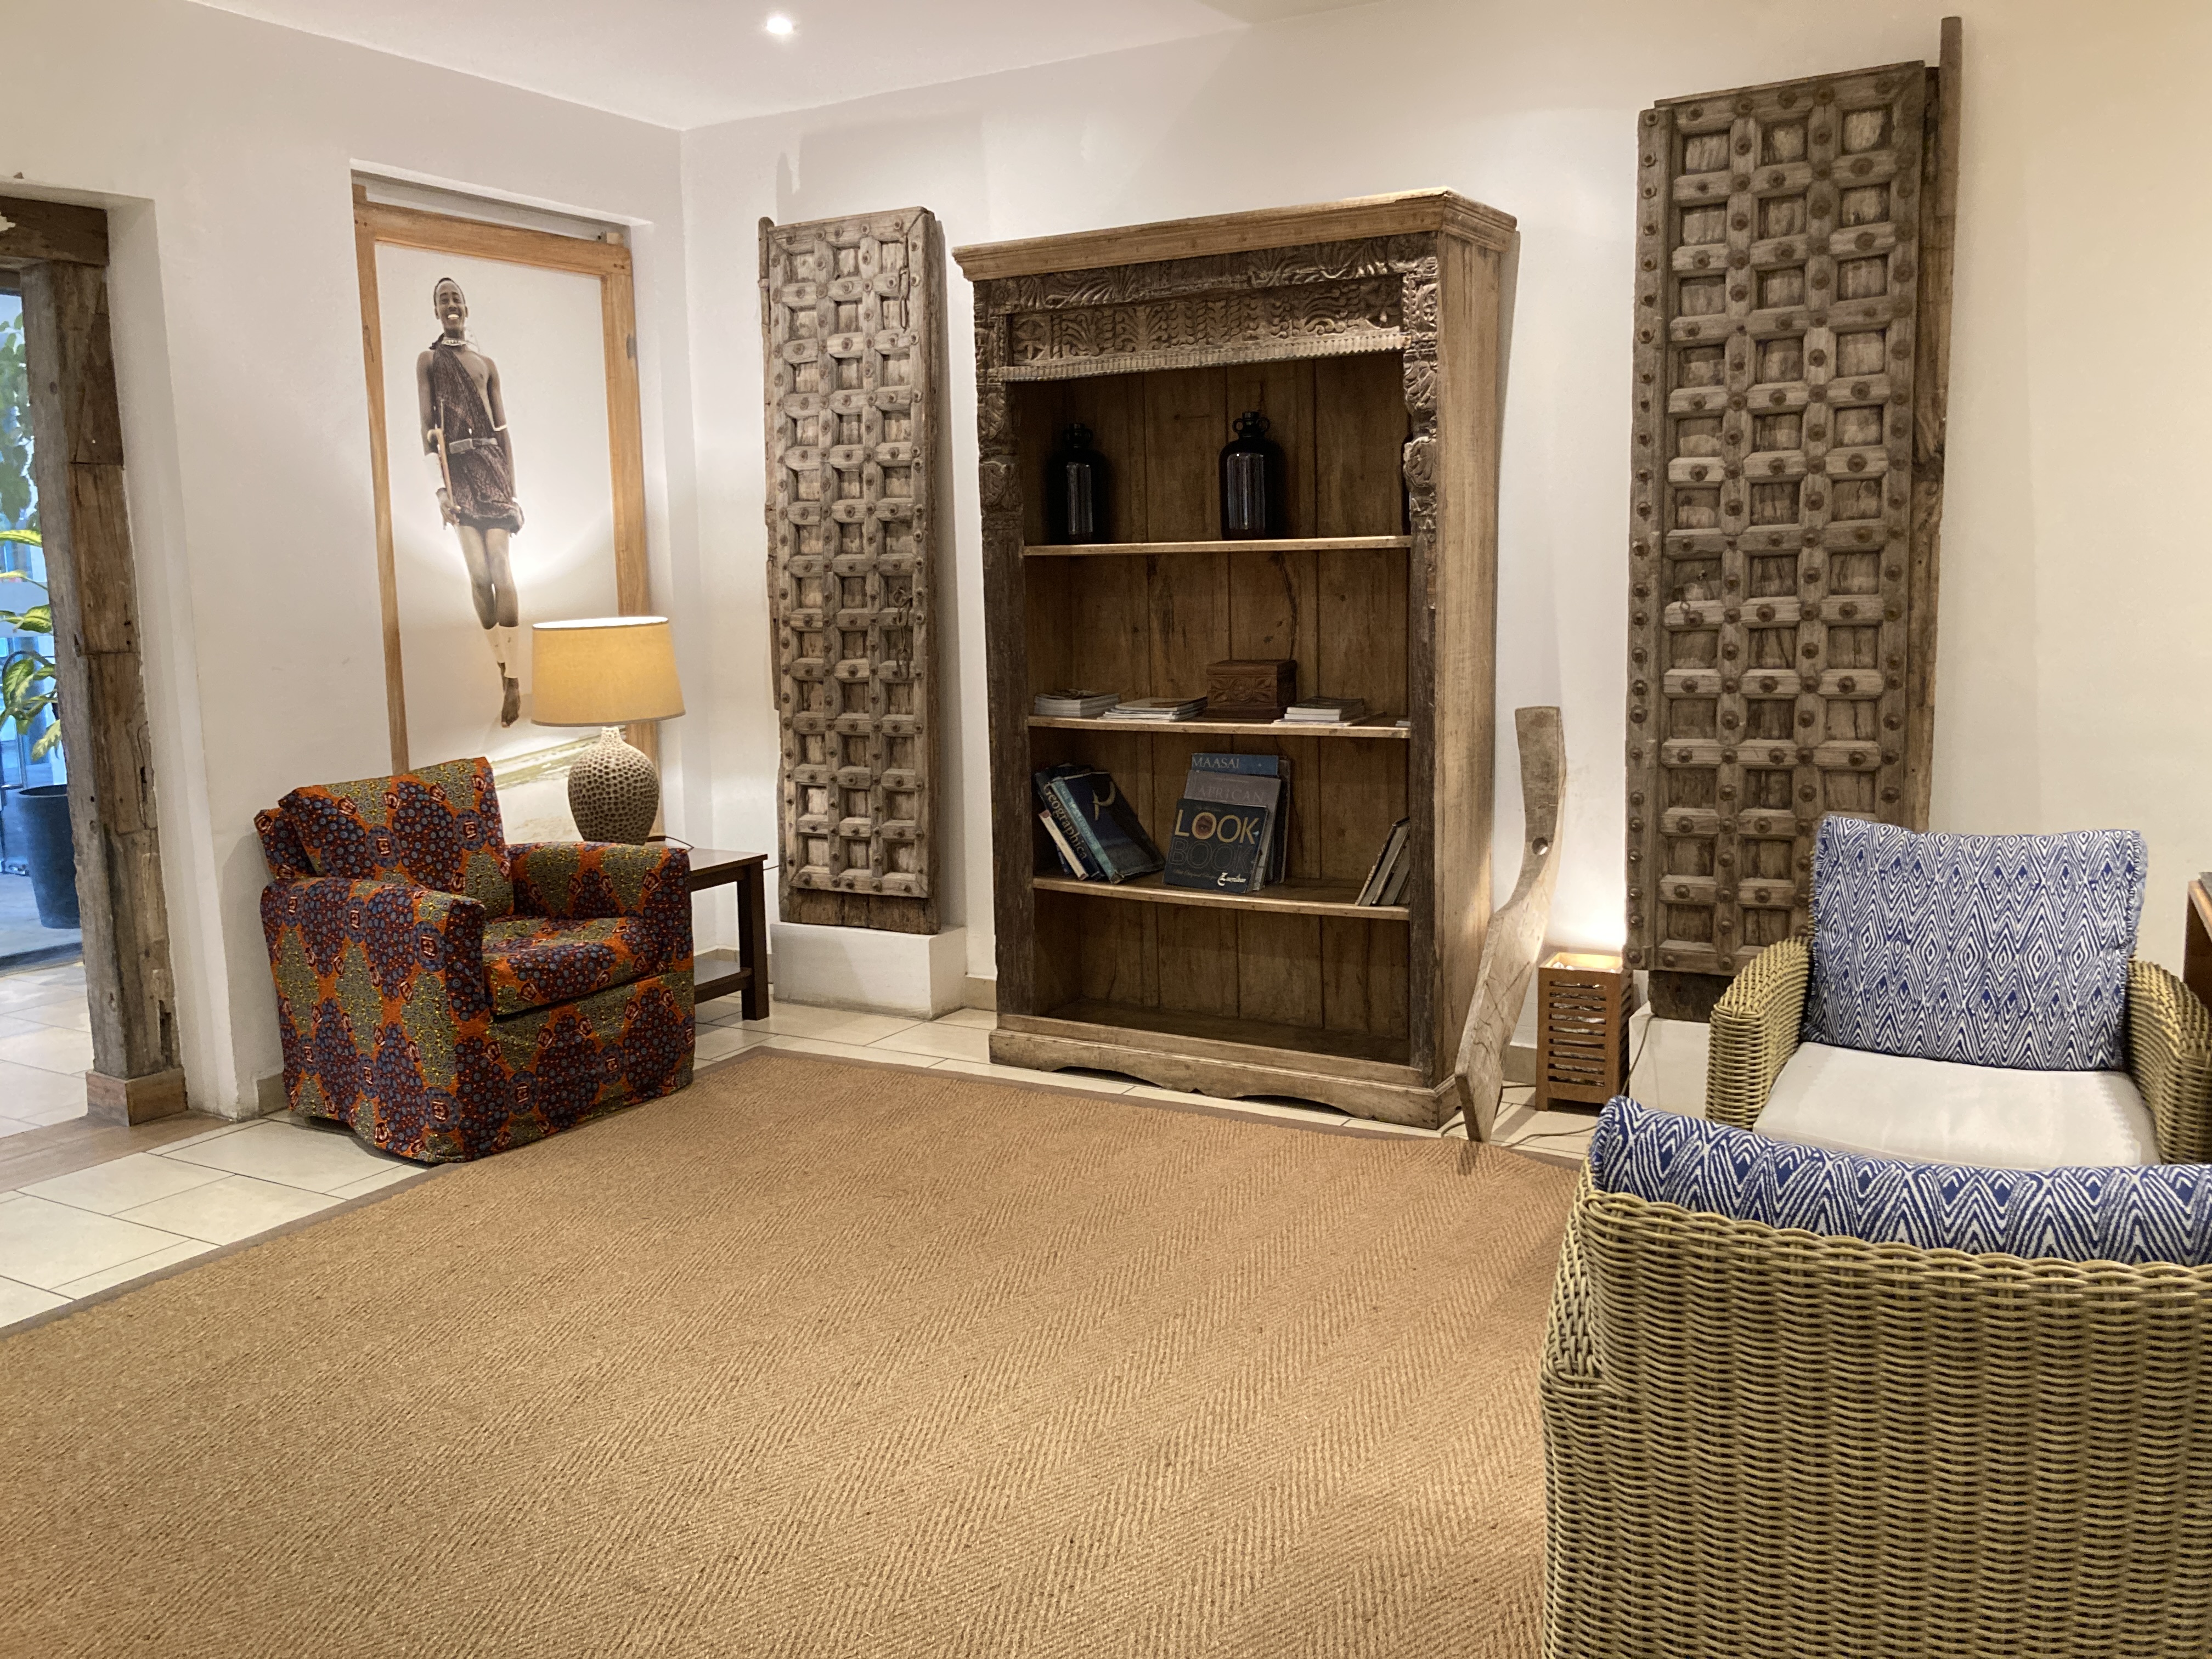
{"x": 1075, "y": 494}
{"x": 1251, "y": 481}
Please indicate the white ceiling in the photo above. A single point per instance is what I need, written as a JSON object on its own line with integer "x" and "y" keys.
{"x": 692, "y": 62}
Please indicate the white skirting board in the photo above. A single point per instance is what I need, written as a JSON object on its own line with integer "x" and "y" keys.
{"x": 922, "y": 974}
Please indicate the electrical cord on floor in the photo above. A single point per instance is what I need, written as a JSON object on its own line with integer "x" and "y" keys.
{"x": 1634, "y": 1061}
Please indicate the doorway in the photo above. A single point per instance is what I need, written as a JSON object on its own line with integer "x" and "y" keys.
{"x": 39, "y": 923}
{"x": 82, "y": 796}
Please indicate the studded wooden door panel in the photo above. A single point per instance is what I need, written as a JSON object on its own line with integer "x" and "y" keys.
{"x": 851, "y": 316}
{"x": 1770, "y": 548}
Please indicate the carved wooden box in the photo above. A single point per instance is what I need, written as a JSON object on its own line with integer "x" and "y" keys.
{"x": 1250, "y": 690}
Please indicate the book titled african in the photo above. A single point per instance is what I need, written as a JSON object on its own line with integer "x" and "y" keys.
{"x": 1225, "y": 828}
{"x": 1096, "y": 819}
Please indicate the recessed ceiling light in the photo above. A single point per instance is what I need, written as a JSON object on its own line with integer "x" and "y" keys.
{"x": 780, "y": 25}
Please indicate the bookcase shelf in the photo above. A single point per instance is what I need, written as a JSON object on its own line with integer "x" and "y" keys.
{"x": 1294, "y": 898}
{"x": 1357, "y": 1054}
{"x": 1368, "y": 334}
{"x": 1282, "y": 544}
{"x": 1267, "y": 729}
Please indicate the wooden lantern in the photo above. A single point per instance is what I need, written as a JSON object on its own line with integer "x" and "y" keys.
{"x": 1582, "y": 1029}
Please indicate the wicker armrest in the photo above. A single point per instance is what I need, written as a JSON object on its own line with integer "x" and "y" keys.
{"x": 2169, "y": 1057}
{"x": 1570, "y": 1341}
{"x": 1754, "y": 1031}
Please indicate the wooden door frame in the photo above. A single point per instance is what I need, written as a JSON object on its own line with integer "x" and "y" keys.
{"x": 58, "y": 252}
{"x": 608, "y": 259}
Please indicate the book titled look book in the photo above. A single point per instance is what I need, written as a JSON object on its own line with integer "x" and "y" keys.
{"x": 1228, "y": 824}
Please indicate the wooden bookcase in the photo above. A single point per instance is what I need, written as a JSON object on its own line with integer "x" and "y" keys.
{"x": 1368, "y": 332}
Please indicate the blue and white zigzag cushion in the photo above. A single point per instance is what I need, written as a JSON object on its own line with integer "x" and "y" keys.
{"x": 2153, "y": 1213}
{"x": 1989, "y": 949}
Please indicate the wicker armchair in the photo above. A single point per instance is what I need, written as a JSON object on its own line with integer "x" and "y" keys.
{"x": 1755, "y": 1025}
{"x": 1762, "y": 1443}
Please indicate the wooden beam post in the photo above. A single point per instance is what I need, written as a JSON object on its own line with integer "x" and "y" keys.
{"x": 1939, "y": 238}
{"x": 93, "y": 586}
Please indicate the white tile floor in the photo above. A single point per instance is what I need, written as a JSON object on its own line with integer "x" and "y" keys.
{"x": 46, "y": 1047}
{"x": 76, "y": 1235}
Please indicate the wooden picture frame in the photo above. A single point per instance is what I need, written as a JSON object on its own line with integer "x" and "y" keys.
{"x": 380, "y": 224}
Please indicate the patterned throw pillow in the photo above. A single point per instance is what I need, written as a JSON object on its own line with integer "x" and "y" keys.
{"x": 1990, "y": 950}
{"x": 437, "y": 827}
{"x": 2149, "y": 1213}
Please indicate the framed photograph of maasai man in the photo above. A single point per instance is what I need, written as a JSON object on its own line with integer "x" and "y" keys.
{"x": 504, "y": 440}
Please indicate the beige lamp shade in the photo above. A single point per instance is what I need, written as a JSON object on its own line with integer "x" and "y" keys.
{"x": 604, "y": 671}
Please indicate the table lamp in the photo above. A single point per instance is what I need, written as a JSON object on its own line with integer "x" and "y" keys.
{"x": 607, "y": 671}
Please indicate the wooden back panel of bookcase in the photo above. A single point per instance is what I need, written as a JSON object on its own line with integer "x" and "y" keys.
{"x": 1148, "y": 627}
{"x": 1368, "y": 333}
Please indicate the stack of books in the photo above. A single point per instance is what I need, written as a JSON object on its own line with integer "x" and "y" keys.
{"x": 1158, "y": 709}
{"x": 1324, "y": 711}
{"x": 1231, "y": 826}
{"x": 1091, "y": 826}
{"x": 1074, "y": 705}
{"x": 1386, "y": 882}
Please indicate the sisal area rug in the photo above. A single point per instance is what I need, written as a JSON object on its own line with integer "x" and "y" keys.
{"x": 819, "y": 1359}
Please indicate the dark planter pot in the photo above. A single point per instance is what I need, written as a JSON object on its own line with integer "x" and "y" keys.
{"x": 41, "y": 815}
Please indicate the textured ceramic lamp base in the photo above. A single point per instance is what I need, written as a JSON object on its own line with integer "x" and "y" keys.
{"x": 613, "y": 791}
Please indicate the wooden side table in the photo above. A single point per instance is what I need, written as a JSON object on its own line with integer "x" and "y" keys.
{"x": 745, "y": 872}
{"x": 2197, "y": 951}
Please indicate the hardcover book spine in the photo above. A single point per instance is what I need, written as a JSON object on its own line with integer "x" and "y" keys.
{"x": 1065, "y": 853}
{"x": 1070, "y": 821}
{"x": 1068, "y": 812}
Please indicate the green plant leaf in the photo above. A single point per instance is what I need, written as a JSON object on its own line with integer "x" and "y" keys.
{"x": 17, "y": 493}
{"x": 19, "y": 681}
{"x": 49, "y": 740}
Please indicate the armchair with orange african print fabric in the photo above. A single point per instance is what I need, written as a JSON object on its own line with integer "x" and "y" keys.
{"x": 449, "y": 995}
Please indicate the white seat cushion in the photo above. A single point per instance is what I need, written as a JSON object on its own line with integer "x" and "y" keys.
{"x": 1851, "y": 1100}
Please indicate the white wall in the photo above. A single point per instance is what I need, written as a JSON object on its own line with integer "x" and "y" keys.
{"x": 224, "y": 149}
{"x": 2073, "y": 604}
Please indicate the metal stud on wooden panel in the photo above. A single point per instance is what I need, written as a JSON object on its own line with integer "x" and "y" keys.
{"x": 850, "y": 311}
{"x": 1774, "y": 457}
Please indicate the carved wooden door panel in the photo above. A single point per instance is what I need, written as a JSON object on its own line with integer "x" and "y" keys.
{"x": 851, "y": 315}
{"x": 1771, "y": 541}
